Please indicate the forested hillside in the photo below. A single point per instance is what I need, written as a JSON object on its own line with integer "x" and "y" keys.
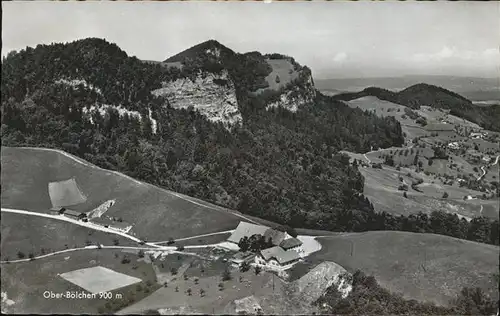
{"x": 278, "y": 165}
{"x": 428, "y": 95}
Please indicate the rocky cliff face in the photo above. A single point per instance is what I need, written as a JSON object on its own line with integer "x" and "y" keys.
{"x": 315, "y": 283}
{"x": 213, "y": 95}
{"x": 213, "y": 77}
{"x": 298, "y": 93}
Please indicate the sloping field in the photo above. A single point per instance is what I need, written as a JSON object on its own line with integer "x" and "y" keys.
{"x": 381, "y": 188}
{"x": 30, "y": 234}
{"x": 156, "y": 214}
{"x": 435, "y": 118}
{"x": 424, "y": 267}
{"x": 401, "y": 156}
{"x": 282, "y": 68}
{"x": 386, "y": 108}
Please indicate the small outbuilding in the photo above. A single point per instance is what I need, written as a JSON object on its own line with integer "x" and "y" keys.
{"x": 57, "y": 210}
{"x": 239, "y": 258}
{"x": 75, "y": 214}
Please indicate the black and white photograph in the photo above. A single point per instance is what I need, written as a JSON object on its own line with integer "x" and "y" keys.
{"x": 250, "y": 158}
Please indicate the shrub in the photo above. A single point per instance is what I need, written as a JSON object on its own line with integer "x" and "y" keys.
{"x": 445, "y": 195}
{"x": 21, "y": 255}
{"x": 226, "y": 275}
{"x": 125, "y": 260}
{"x": 245, "y": 266}
{"x": 257, "y": 270}
{"x": 141, "y": 253}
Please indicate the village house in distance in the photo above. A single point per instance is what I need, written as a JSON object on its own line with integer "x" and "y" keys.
{"x": 281, "y": 250}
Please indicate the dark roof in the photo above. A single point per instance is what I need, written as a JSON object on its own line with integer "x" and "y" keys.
{"x": 276, "y": 236}
{"x": 279, "y": 254}
{"x": 120, "y": 224}
{"x": 290, "y": 243}
{"x": 73, "y": 213}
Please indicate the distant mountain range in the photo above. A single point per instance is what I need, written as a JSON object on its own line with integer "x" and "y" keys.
{"x": 473, "y": 88}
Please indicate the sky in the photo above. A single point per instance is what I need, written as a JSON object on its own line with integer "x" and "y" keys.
{"x": 334, "y": 39}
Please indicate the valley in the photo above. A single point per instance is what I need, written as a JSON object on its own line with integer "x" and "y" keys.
{"x": 454, "y": 162}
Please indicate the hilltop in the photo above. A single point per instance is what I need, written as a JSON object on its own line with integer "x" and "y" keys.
{"x": 423, "y": 94}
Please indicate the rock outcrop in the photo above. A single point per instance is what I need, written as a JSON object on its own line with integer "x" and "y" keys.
{"x": 213, "y": 95}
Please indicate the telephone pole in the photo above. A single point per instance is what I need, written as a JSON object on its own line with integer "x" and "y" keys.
{"x": 273, "y": 281}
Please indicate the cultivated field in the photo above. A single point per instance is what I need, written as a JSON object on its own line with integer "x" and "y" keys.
{"x": 65, "y": 193}
{"x": 99, "y": 279}
{"x": 156, "y": 214}
{"x": 424, "y": 267}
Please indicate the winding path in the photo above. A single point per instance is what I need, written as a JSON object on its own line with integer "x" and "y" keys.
{"x": 484, "y": 171}
{"x": 152, "y": 245}
{"x": 368, "y": 159}
{"x": 193, "y": 237}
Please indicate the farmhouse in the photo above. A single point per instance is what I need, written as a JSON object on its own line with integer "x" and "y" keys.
{"x": 75, "y": 214}
{"x": 240, "y": 257}
{"x": 476, "y": 135}
{"x": 276, "y": 257}
{"x": 291, "y": 244}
